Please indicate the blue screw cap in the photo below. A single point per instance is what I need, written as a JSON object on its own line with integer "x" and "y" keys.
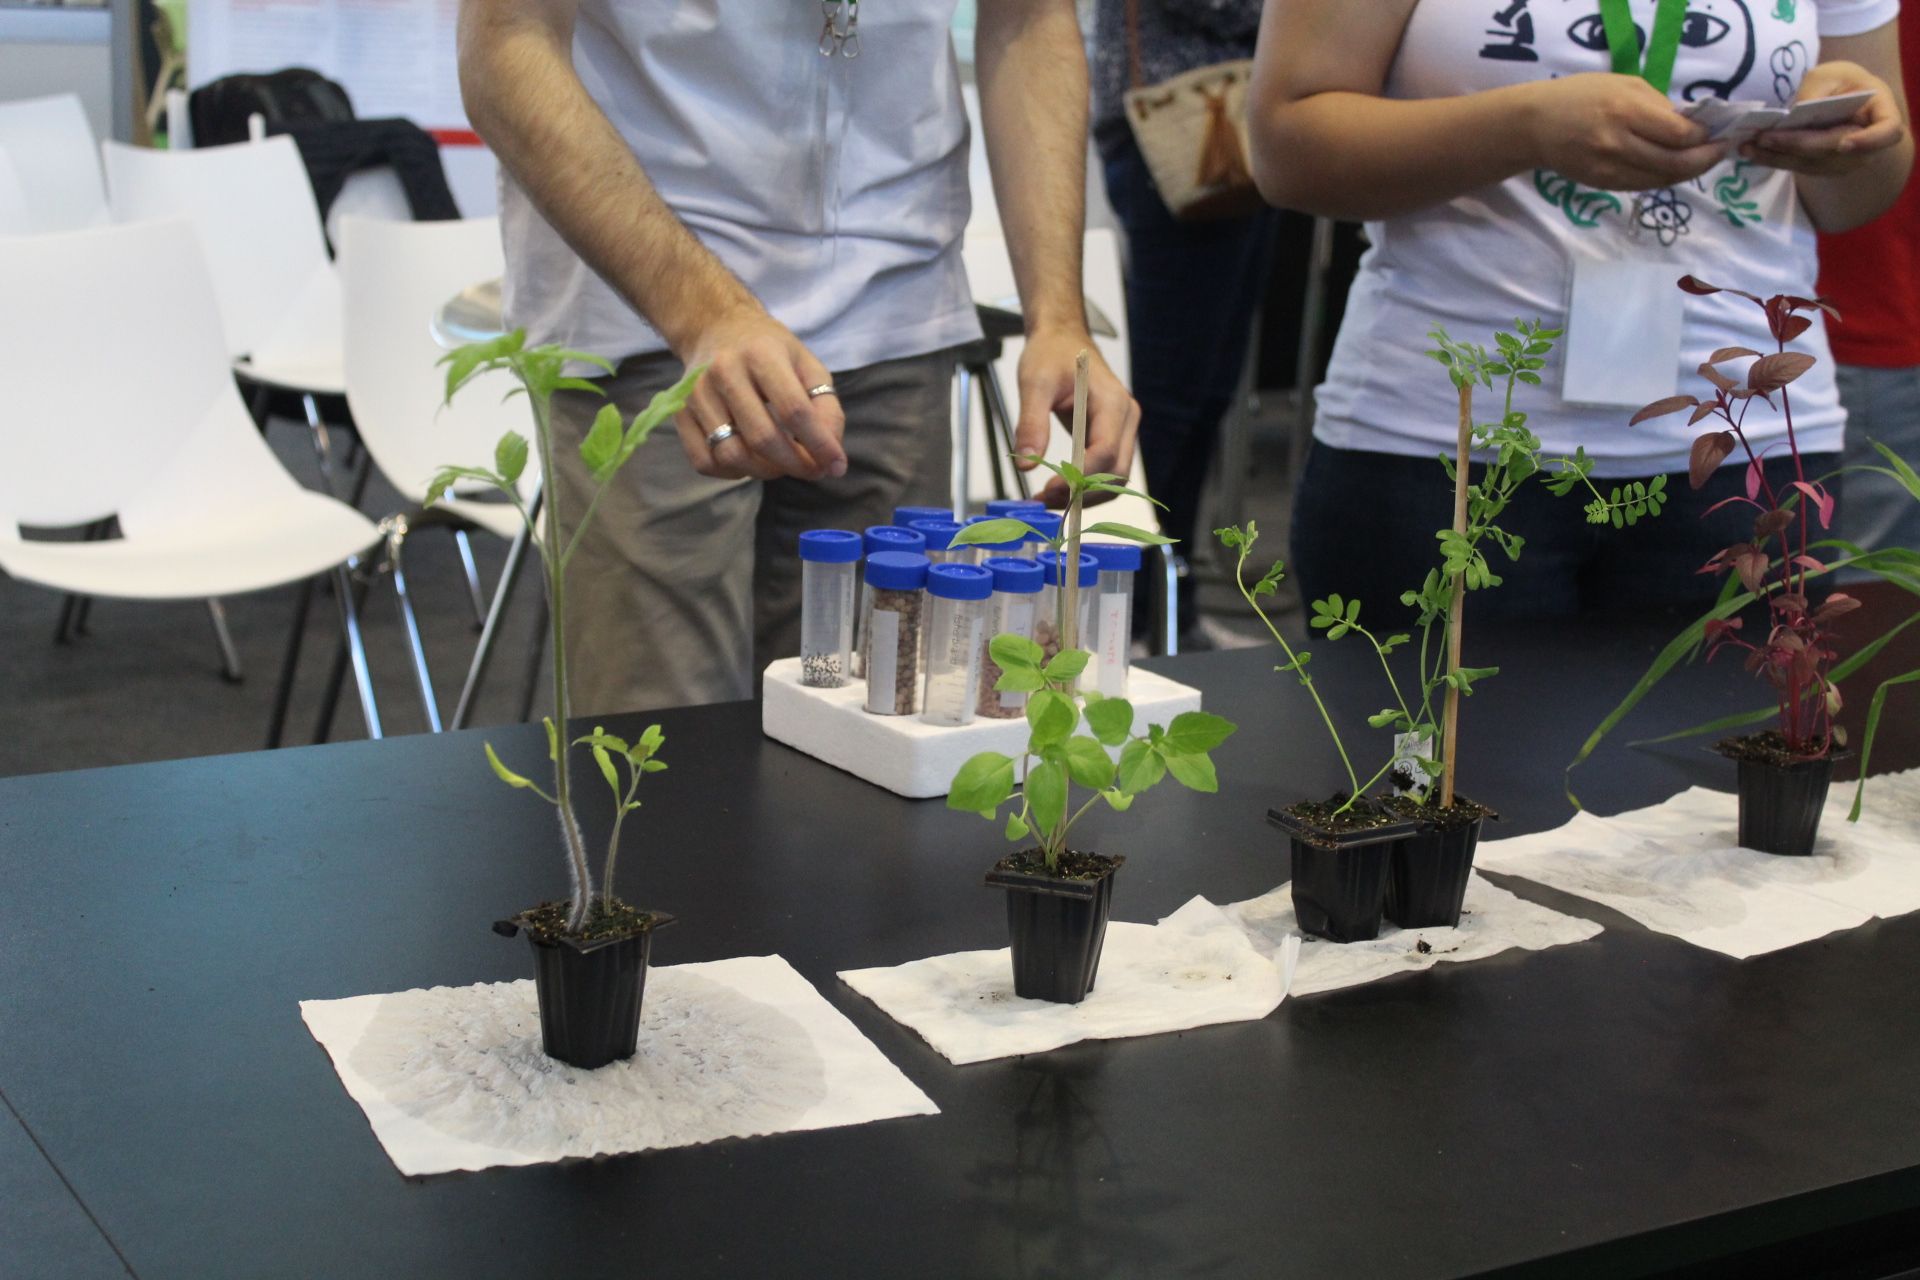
{"x": 1014, "y": 574}
{"x": 897, "y": 570}
{"x": 959, "y": 582}
{"x": 830, "y": 546}
{"x": 1114, "y": 557}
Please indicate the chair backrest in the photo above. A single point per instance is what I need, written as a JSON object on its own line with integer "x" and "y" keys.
{"x": 110, "y": 360}
{"x": 259, "y": 226}
{"x": 395, "y": 276}
{"x": 57, "y": 161}
{"x": 15, "y": 218}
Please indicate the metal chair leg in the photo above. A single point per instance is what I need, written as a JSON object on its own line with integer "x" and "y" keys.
{"x": 994, "y": 401}
{"x": 395, "y": 528}
{"x": 75, "y": 608}
{"x": 290, "y": 664}
{"x": 229, "y": 656}
{"x": 502, "y": 593}
{"x": 322, "y": 442}
{"x": 535, "y": 668}
{"x": 961, "y": 472}
{"x": 349, "y": 593}
{"x": 478, "y": 597}
{"x": 1165, "y": 637}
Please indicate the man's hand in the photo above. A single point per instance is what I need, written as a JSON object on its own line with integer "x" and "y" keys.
{"x": 1046, "y": 388}
{"x": 1844, "y": 148}
{"x": 758, "y": 377}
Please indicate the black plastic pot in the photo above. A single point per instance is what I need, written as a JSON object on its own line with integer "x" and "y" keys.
{"x": 1058, "y": 928}
{"x": 590, "y": 993}
{"x": 1431, "y": 867}
{"x": 1780, "y": 804}
{"x": 1340, "y": 877}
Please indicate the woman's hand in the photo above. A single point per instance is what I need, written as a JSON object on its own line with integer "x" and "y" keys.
{"x": 1844, "y": 148}
{"x": 1615, "y": 132}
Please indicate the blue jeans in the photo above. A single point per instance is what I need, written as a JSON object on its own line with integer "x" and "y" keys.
{"x": 1191, "y": 292}
{"x": 1364, "y": 525}
{"x": 1883, "y": 405}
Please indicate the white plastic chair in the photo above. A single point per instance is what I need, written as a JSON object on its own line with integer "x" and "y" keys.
{"x": 204, "y": 508}
{"x": 279, "y": 296}
{"x": 15, "y": 220}
{"x": 56, "y": 160}
{"x": 394, "y": 276}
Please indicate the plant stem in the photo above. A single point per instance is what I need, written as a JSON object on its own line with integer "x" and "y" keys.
{"x": 613, "y": 841}
{"x": 1239, "y": 577}
{"x": 1070, "y": 566}
{"x": 557, "y": 635}
{"x": 1458, "y": 606}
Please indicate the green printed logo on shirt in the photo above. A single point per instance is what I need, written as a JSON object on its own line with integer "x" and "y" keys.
{"x": 1731, "y": 190}
{"x": 1583, "y": 206}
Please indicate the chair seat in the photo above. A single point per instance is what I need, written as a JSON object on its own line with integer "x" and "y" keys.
{"x": 317, "y": 374}
{"x": 301, "y": 534}
{"x": 495, "y": 517}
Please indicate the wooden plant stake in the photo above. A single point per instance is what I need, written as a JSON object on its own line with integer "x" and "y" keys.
{"x": 1457, "y": 607}
{"x": 1070, "y": 569}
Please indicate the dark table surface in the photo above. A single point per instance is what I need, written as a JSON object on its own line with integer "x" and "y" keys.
{"x": 1625, "y": 1106}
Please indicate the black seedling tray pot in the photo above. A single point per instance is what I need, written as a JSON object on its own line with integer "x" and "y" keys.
{"x": 1058, "y": 928}
{"x": 590, "y": 993}
{"x": 1431, "y": 868}
{"x": 1780, "y": 805}
{"x": 1340, "y": 877}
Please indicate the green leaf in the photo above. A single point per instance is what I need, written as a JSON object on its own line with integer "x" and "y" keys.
{"x": 995, "y": 532}
{"x": 652, "y": 766}
{"x": 1195, "y": 772}
{"x": 1130, "y": 533}
{"x": 553, "y": 738}
{"x": 1119, "y": 801}
{"x": 651, "y": 739}
{"x": 1019, "y": 680}
{"x": 1088, "y": 763}
{"x": 982, "y": 785}
{"x": 1140, "y": 766}
{"x": 1012, "y": 652}
{"x": 1052, "y": 716}
{"x": 1046, "y": 793}
{"x": 603, "y": 440}
{"x": 513, "y": 779}
{"x": 1878, "y": 705}
{"x": 1195, "y": 732}
{"x": 1067, "y": 665}
{"x": 1017, "y": 828}
{"x": 604, "y": 758}
{"x": 510, "y": 456}
{"x": 1120, "y": 491}
{"x": 661, "y": 408}
{"x": 1110, "y": 719}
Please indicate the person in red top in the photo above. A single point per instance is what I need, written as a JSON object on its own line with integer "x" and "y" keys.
{"x": 1873, "y": 276}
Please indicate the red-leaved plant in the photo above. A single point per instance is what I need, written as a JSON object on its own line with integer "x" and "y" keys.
{"x": 1796, "y": 654}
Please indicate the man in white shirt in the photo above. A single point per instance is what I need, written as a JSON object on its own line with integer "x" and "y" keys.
{"x": 776, "y": 190}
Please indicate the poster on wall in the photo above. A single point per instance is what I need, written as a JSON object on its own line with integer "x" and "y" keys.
{"x": 393, "y": 57}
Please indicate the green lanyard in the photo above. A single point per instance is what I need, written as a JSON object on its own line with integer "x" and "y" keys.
{"x": 1623, "y": 38}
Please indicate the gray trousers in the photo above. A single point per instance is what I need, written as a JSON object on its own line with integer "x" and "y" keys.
{"x": 685, "y": 587}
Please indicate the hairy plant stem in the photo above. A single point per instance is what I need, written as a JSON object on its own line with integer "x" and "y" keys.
{"x": 581, "y": 874}
{"x": 613, "y": 841}
{"x": 1455, "y": 610}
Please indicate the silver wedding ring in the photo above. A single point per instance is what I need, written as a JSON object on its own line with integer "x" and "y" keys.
{"x": 824, "y": 389}
{"x": 719, "y": 435}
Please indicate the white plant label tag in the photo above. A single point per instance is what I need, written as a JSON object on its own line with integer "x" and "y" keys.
{"x": 1407, "y": 775}
{"x": 883, "y": 662}
{"x": 1111, "y": 679}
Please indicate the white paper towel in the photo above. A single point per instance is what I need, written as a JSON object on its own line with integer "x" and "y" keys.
{"x": 1676, "y": 867}
{"x": 1196, "y": 968}
{"x": 1491, "y": 921}
{"x": 454, "y": 1077}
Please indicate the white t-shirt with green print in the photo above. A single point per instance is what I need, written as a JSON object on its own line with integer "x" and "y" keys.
{"x": 1504, "y": 252}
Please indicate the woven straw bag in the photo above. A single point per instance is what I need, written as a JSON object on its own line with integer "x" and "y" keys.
{"x": 1192, "y": 130}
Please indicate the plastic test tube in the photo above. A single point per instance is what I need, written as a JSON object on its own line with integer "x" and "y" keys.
{"x": 880, "y": 537}
{"x": 1046, "y": 622}
{"x": 939, "y": 535}
{"x": 981, "y": 552}
{"x": 903, "y": 517}
{"x": 1016, "y": 595}
{"x": 1014, "y": 508}
{"x": 897, "y": 580}
{"x": 828, "y": 558}
{"x": 1046, "y": 523}
{"x": 1113, "y": 614}
{"x": 957, "y": 596}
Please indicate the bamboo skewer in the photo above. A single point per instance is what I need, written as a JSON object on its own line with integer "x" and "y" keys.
{"x": 1458, "y": 604}
{"x": 1070, "y": 568}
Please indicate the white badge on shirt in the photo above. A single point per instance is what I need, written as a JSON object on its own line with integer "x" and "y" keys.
{"x": 1623, "y": 331}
